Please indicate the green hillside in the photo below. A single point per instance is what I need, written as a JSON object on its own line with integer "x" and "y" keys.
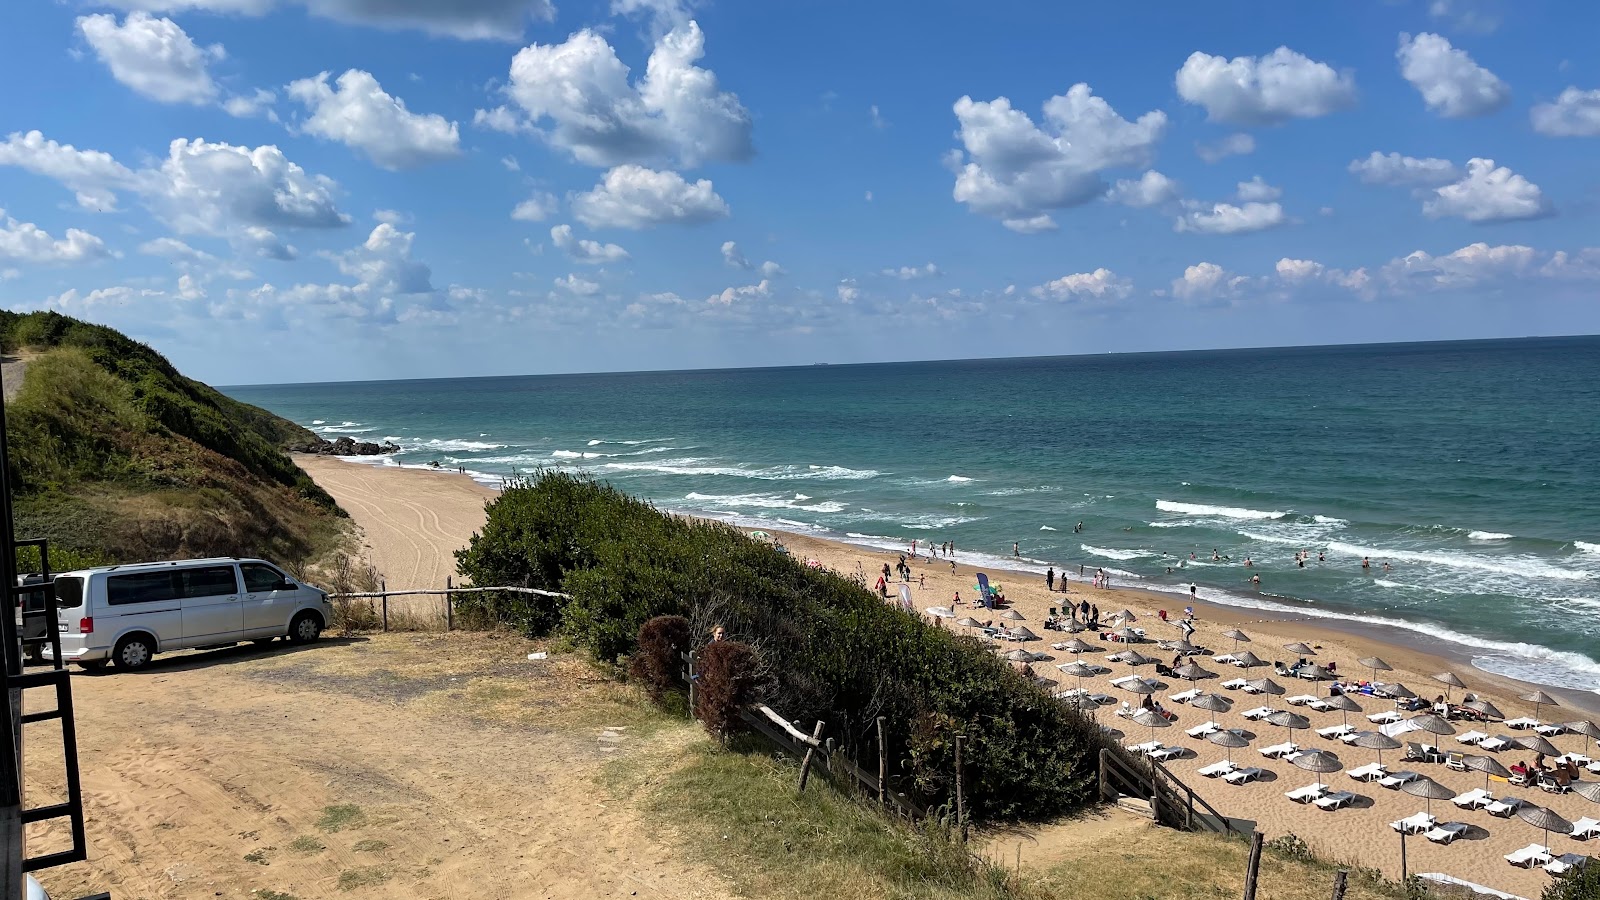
{"x": 116, "y": 456}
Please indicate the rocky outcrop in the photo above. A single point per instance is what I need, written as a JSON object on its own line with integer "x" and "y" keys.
{"x": 346, "y": 446}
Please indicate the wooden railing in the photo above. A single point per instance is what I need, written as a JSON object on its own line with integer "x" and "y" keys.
{"x": 1172, "y": 802}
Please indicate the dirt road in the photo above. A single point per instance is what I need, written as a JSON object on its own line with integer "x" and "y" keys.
{"x": 424, "y": 765}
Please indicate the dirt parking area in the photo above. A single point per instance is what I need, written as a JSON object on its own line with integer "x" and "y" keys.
{"x": 397, "y": 765}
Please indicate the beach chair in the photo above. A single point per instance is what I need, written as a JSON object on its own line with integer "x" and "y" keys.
{"x": 1308, "y": 794}
{"x": 1279, "y": 751}
{"x": 1505, "y": 807}
{"x": 1384, "y": 718}
{"x": 1225, "y": 659}
{"x": 1422, "y": 753}
{"x": 1217, "y": 769}
{"x": 1529, "y": 856}
{"x": 1550, "y": 729}
{"x": 1444, "y": 834}
{"x": 1414, "y": 824}
{"x": 1577, "y": 759}
{"x": 1594, "y": 767}
{"x": 1146, "y": 748}
{"x": 1473, "y": 799}
{"x": 1102, "y": 699}
{"x": 1249, "y": 688}
{"x": 1495, "y": 744}
{"x": 1300, "y": 700}
{"x": 1522, "y": 724}
{"x": 1233, "y": 685}
{"x": 1456, "y": 761}
{"x": 1369, "y": 772}
{"x": 1585, "y": 828}
{"x": 1552, "y": 786}
{"x": 1319, "y": 704}
{"x": 1165, "y": 753}
{"x": 1336, "y": 800}
{"x": 1260, "y": 712}
{"x": 1185, "y": 696}
{"x": 1243, "y": 776}
{"x": 1394, "y": 780}
{"x": 1119, "y": 682}
{"x": 1471, "y": 737}
{"x": 1335, "y": 732}
{"x": 1565, "y": 863}
{"x": 1204, "y": 729}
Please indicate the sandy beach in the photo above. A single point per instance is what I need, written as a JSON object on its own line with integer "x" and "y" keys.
{"x": 413, "y": 520}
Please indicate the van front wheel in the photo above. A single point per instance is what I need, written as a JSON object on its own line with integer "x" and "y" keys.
{"x": 133, "y": 653}
{"x": 305, "y": 628}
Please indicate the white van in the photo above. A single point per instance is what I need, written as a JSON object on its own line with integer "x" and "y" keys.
{"x": 128, "y": 614}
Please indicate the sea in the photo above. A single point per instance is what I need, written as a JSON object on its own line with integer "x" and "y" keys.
{"x": 1466, "y": 473}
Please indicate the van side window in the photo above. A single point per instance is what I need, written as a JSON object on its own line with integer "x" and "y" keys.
{"x": 259, "y": 579}
{"x": 69, "y": 593}
{"x": 141, "y": 587}
{"x": 212, "y": 581}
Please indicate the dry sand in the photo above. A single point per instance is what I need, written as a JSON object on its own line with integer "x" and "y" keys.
{"x": 408, "y": 514}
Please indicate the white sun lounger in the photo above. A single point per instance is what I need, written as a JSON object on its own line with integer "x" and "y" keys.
{"x": 1202, "y": 730}
{"x": 1473, "y": 799}
{"x": 1505, "y": 807}
{"x": 1250, "y": 689}
{"x": 1471, "y": 737}
{"x": 1494, "y": 744}
{"x": 1585, "y": 828}
{"x": 1260, "y": 712}
{"x": 1577, "y": 759}
{"x": 1550, "y": 729}
{"x": 1396, "y": 779}
{"x": 1414, "y": 824}
{"x": 1369, "y": 772}
{"x": 1444, "y": 834}
{"x": 1146, "y": 748}
{"x": 1166, "y": 753}
{"x": 1320, "y": 705}
{"x": 1523, "y": 723}
{"x": 1300, "y": 699}
{"x": 1185, "y": 696}
{"x": 1217, "y": 769}
{"x": 1594, "y": 767}
{"x": 1529, "y": 856}
{"x": 1119, "y": 682}
{"x": 1336, "y": 732}
{"x": 1243, "y": 776}
{"x": 1565, "y": 863}
{"x": 1280, "y": 751}
{"x": 1336, "y": 800}
{"x": 1308, "y": 793}
{"x": 1384, "y": 718}
{"x": 1234, "y": 685}
{"x": 1225, "y": 659}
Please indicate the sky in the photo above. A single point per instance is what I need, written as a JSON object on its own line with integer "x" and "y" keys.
{"x": 315, "y": 190}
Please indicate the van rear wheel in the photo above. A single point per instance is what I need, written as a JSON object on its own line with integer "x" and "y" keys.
{"x": 133, "y": 653}
{"x": 305, "y": 628}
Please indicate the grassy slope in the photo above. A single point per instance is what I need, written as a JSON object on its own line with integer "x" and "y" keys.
{"x": 116, "y": 456}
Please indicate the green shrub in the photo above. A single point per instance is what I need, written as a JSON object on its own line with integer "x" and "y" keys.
{"x": 1579, "y": 884}
{"x": 657, "y": 662}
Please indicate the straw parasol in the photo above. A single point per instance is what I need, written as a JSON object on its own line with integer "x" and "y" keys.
{"x": 1232, "y": 741}
{"x": 1450, "y": 680}
{"x": 1428, "y": 790}
{"x": 1237, "y": 636}
{"x": 1148, "y": 717}
{"x": 1316, "y": 673}
{"x": 1129, "y": 636}
{"x": 1484, "y": 708}
{"x": 1588, "y": 790}
{"x": 1081, "y": 704}
{"x": 1184, "y": 647}
{"x": 1319, "y": 761}
{"x": 1374, "y": 740}
{"x": 1192, "y": 673}
{"x": 1344, "y": 705}
{"x": 1488, "y": 766}
{"x": 1212, "y": 703}
{"x": 1020, "y": 656}
{"x": 1539, "y": 817}
{"x": 1265, "y": 686}
{"x": 1586, "y": 728}
{"x": 1135, "y": 658}
{"x": 1079, "y": 645}
{"x": 1078, "y": 670}
{"x": 1139, "y": 686}
{"x": 969, "y": 622}
{"x": 1126, "y": 615}
{"x": 1432, "y": 724}
{"x": 1537, "y": 744}
{"x": 1301, "y": 648}
{"x": 1292, "y": 721}
{"x": 1073, "y": 626}
{"x": 1399, "y": 690}
{"x": 1023, "y": 634}
{"x": 1375, "y": 663}
{"x": 1013, "y": 615}
{"x": 1248, "y": 660}
{"x": 1539, "y": 699}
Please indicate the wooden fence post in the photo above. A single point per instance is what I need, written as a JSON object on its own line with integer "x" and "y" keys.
{"x": 811, "y": 752}
{"x": 449, "y": 607}
{"x": 1404, "y": 872}
{"x": 883, "y": 763}
{"x": 1253, "y": 868}
{"x": 961, "y": 797}
{"x": 383, "y": 587}
{"x": 1339, "y": 883}
{"x": 691, "y": 684}
{"x": 1103, "y": 753}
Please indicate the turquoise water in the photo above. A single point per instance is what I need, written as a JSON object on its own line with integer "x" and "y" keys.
{"x": 1471, "y": 468}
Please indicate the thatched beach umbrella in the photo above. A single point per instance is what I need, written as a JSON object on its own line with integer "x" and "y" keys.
{"x": 1212, "y": 703}
{"x": 1449, "y": 680}
{"x": 1586, "y": 728}
{"x": 1428, "y": 790}
{"x": 1139, "y": 686}
{"x": 1150, "y": 718}
{"x": 1192, "y": 673}
{"x": 1126, "y": 616}
{"x": 1013, "y": 615}
{"x": 1484, "y": 708}
{"x": 1266, "y": 686}
{"x": 1228, "y": 740}
{"x": 1077, "y": 670}
{"x": 1588, "y": 790}
{"x": 1237, "y": 636}
{"x": 1301, "y": 648}
{"x": 1023, "y": 634}
{"x": 1539, "y": 817}
{"x": 1539, "y": 699}
{"x": 1432, "y": 724}
{"x": 1315, "y": 673}
{"x": 1319, "y": 761}
{"x": 1020, "y": 656}
{"x": 1248, "y": 660}
{"x": 1292, "y": 721}
{"x": 1375, "y": 740}
{"x": 1073, "y": 626}
{"x": 1183, "y": 647}
{"x": 1399, "y": 691}
{"x": 1135, "y": 658}
{"x": 1079, "y": 645}
{"x": 1081, "y": 704}
{"x": 1487, "y": 765}
{"x": 1129, "y": 636}
{"x": 1375, "y": 664}
{"x": 969, "y": 622}
{"x": 1537, "y": 744}
{"x": 1344, "y": 705}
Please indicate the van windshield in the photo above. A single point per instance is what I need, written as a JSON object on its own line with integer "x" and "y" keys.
{"x": 69, "y": 593}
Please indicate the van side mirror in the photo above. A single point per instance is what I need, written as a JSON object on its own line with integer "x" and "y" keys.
{"x": 284, "y": 585}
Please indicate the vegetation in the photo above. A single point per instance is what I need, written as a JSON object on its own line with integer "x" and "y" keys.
{"x": 116, "y": 456}
{"x": 1579, "y": 884}
{"x": 828, "y": 649}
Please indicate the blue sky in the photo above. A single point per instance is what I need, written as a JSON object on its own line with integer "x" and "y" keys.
{"x": 306, "y": 190}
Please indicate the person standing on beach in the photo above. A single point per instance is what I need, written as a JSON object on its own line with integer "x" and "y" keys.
{"x": 1050, "y": 579}
{"x": 1016, "y": 549}
{"x": 952, "y": 567}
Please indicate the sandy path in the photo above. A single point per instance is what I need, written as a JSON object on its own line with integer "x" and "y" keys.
{"x": 12, "y": 370}
{"x": 409, "y": 535}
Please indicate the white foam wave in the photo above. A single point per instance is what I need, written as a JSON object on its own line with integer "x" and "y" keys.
{"x": 1329, "y": 520}
{"x": 1272, "y": 538}
{"x": 1586, "y": 547}
{"x": 765, "y": 501}
{"x": 929, "y": 523}
{"x": 1527, "y": 566}
{"x": 1489, "y": 536}
{"x": 1013, "y": 492}
{"x": 1046, "y": 528}
{"x": 801, "y": 497}
{"x": 1168, "y": 524}
{"x": 1228, "y": 512}
{"x": 596, "y": 443}
{"x": 1116, "y": 553}
{"x": 575, "y": 454}
{"x": 317, "y": 422}
{"x": 958, "y": 479}
{"x": 450, "y": 445}
{"x": 699, "y": 466}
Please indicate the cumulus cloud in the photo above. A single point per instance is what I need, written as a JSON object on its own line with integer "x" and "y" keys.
{"x": 92, "y": 174}
{"x": 847, "y": 291}
{"x": 257, "y": 103}
{"x": 912, "y": 273}
{"x": 733, "y": 257}
{"x": 1237, "y": 144}
{"x": 383, "y": 263}
{"x": 578, "y": 285}
{"x": 28, "y": 243}
{"x": 1488, "y": 193}
{"x": 1227, "y": 218}
{"x": 1257, "y": 191}
{"x": 466, "y": 19}
{"x": 1472, "y": 266}
{"x": 1395, "y": 169}
{"x": 732, "y": 295}
{"x": 538, "y": 207}
{"x": 1150, "y": 189}
{"x": 207, "y": 188}
{"x": 1207, "y": 281}
{"x": 153, "y": 56}
{"x": 576, "y": 96}
{"x": 1265, "y": 90}
{"x": 664, "y": 15}
{"x": 1573, "y": 114}
{"x": 1302, "y": 272}
{"x": 361, "y": 115}
{"x": 1451, "y": 84}
{"x": 1465, "y": 15}
{"x": 636, "y": 197}
{"x": 585, "y": 251}
{"x": 1019, "y": 172}
{"x": 1101, "y": 284}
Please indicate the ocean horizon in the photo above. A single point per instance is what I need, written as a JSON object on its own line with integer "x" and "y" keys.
{"x": 1462, "y": 471}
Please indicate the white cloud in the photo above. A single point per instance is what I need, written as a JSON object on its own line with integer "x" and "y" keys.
{"x": 847, "y": 291}
{"x": 465, "y": 19}
{"x": 92, "y": 174}
{"x": 1394, "y": 169}
{"x": 153, "y": 56}
{"x": 1294, "y": 273}
{"x": 1101, "y": 284}
{"x": 636, "y": 197}
{"x": 664, "y": 15}
{"x": 1150, "y": 189}
{"x": 1580, "y": 265}
{"x": 538, "y": 207}
{"x": 1488, "y": 193}
{"x": 175, "y": 250}
{"x": 1237, "y": 144}
{"x": 733, "y": 257}
{"x": 383, "y": 263}
{"x": 1465, "y": 15}
{"x": 262, "y": 242}
{"x": 361, "y": 115}
{"x": 1264, "y": 90}
{"x": 585, "y": 251}
{"x": 28, "y": 243}
{"x": 770, "y": 269}
{"x": 676, "y": 113}
{"x": 578, "y": 285}
{"x": 869, "y": 196}
{"x": 1018, "y": 172}
{"x": 732, "y": 295}
{"x": 1472, "y": 266}
{"x": 1451, "y": 84}
{"x": 1206, "y": 281}
{"x": 74, "y": 302}
{"x": 511, "y": 164}
{"x": 206, "y": 188}
{"x": 878, "y": 120}
{"x": 1257, "y": 191}
{"x": 1226, "y": 218}
{"x": 257, "y": 103}
{"x": 1573, "y": 114}
{"x": 911, "y": 273}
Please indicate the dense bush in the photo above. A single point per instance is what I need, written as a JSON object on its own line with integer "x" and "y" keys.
{"x": 1579, "y": 884}
{"x": 656, "y": 662}
{"x": 726, "y": 676}
{"x": 829, "y": 649}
